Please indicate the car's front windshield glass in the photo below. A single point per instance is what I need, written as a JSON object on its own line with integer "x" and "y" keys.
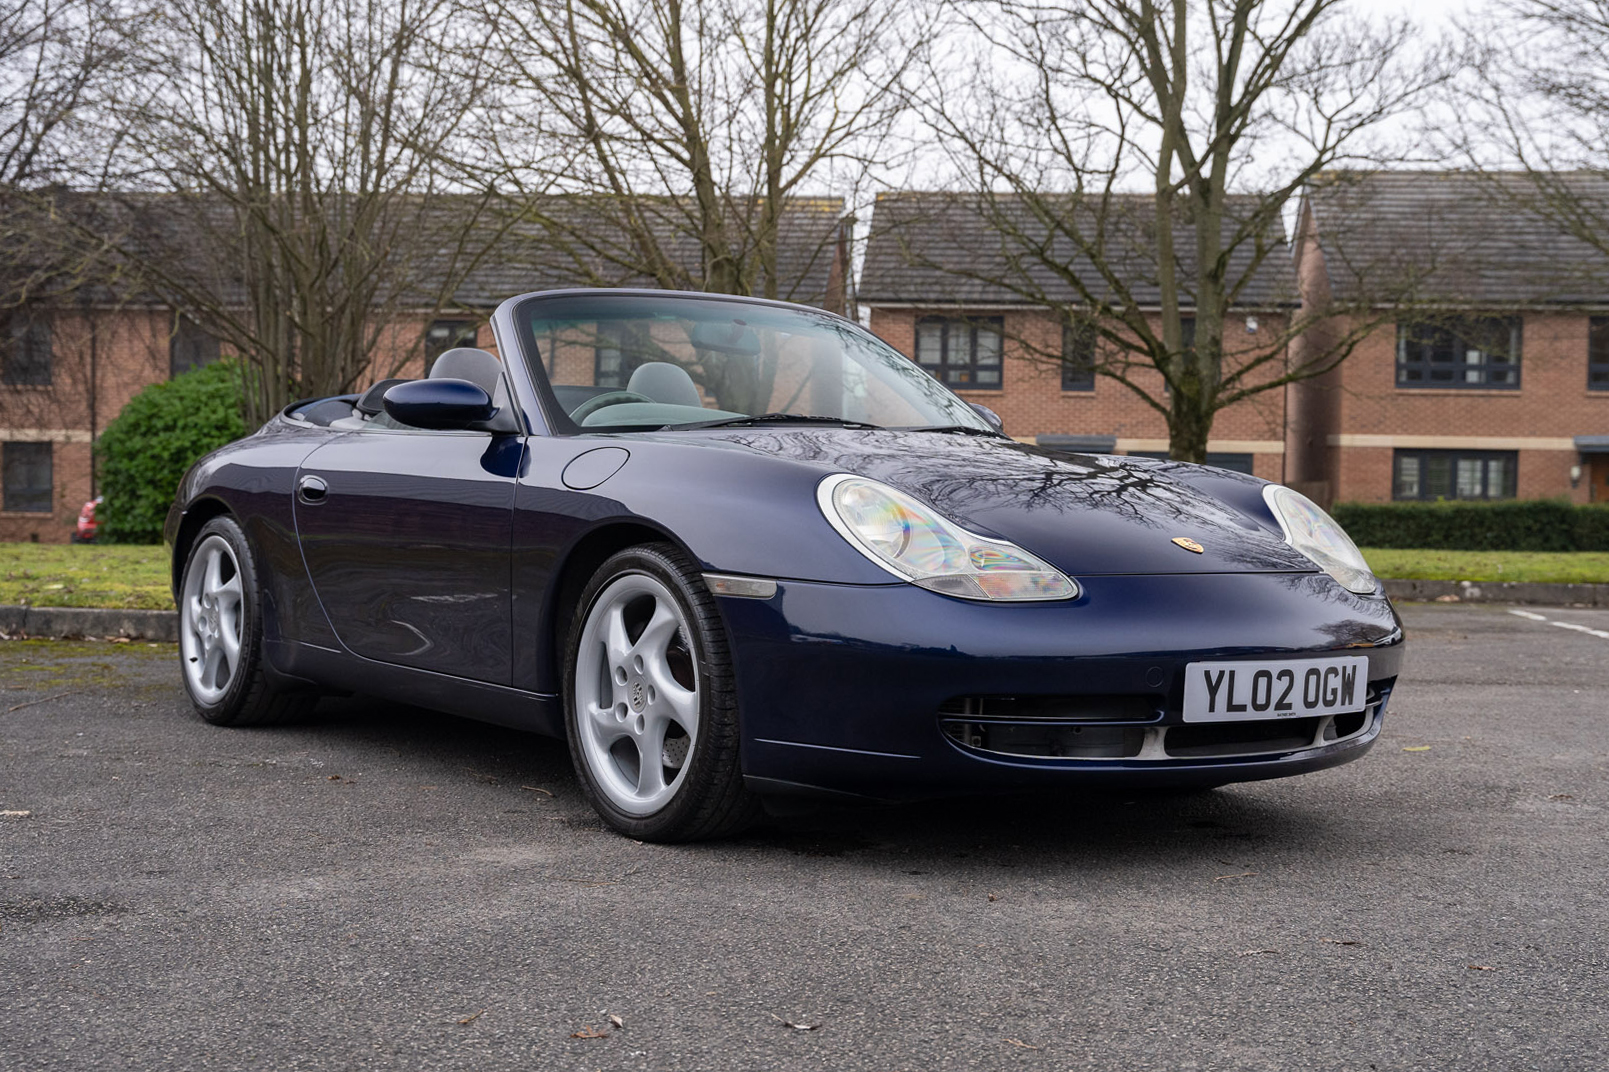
{"x": 633, "y": 362}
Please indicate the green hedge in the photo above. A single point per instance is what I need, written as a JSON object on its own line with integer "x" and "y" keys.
{"x": 1517, "y": 525}
{"x": 146, "y": 451}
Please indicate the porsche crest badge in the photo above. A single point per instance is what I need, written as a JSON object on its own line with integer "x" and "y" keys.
{"x": 1188, "y": 544}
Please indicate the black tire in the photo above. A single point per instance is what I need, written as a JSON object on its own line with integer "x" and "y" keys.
{"x": 248, "y": 696}
{"x": 709, "y": 799}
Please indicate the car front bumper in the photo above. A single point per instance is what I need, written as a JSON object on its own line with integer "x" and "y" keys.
{"x": 894, "y": 692}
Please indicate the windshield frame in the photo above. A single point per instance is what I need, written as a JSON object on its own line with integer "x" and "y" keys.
{"x": 521, "y": 311}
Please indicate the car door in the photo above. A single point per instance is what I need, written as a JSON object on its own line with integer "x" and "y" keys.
{"x": 406, "y": 535}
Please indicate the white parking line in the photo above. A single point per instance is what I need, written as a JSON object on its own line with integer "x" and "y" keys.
{"x": 1601, "y": 633}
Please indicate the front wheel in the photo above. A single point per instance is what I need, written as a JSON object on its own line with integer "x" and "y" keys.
{"x": 221, "y": 634}
{"x": 651, "y": 702}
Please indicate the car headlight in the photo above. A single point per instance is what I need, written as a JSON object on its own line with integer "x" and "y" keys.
{"x": 1314, "y": 533}
{"x": 916, "y": 543}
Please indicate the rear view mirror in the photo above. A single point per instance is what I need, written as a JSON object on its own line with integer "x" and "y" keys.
{"x": 732, "y": 337}
{"x": 439, "y": 404}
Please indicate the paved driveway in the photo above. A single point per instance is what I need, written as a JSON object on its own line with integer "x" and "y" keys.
{"x": 381, "y": 889}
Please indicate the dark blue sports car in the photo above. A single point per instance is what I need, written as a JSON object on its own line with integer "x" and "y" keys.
{"x": 733, "y": 549}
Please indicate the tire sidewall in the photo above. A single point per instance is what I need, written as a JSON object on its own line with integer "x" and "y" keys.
{"x": 228, "y": 706}
{"x": 654, "y": 562}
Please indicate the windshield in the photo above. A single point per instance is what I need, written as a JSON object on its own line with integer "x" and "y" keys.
{"x": 634, "y": 362}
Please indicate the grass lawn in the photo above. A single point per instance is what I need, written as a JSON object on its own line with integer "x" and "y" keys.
{"x": 68, "y": 575}
{"x": 84, "y": 575}
{"x": 1590, "y": 567}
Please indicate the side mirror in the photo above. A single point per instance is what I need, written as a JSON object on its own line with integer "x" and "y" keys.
{"x": 989, "y": 415}
{"x": 443, "y": 404}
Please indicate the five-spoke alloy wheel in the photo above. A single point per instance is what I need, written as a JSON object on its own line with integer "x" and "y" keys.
{"x": 221, "y": 634}
{"x": 651, "y": 701}
{"x": 211, "y": 607}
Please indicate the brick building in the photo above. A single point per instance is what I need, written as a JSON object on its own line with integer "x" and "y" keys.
{"x": 942, "y": 285}
{"x": 1482, "y": 370}
{"x": 67, "y": 367}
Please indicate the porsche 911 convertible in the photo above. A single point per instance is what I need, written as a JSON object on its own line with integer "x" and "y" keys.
{"x": 733, "y": 549}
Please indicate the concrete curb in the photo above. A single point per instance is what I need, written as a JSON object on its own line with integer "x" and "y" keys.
{"x": 1554, "y": 595}
{"x": 89, "y": 622}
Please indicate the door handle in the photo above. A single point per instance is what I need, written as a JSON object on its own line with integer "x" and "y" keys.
{"x": 311, "y": 490}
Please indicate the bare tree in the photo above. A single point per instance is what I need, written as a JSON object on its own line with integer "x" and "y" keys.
{"x": 1138, "y": 158}
{"x": 59, "y": 60}
{"x": 303, "y": 169}
{"x": 1535, "y": 94}
{"x": 691, "y": 128}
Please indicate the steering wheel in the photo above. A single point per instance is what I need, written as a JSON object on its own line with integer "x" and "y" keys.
{"x": 597, "y": 402}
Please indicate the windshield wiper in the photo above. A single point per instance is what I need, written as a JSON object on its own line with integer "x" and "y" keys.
{"x": 965, "y": 429}
{"x": 775, "y": 418}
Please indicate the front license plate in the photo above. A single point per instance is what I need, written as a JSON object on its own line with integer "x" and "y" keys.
{"x": 1287, "y": 688}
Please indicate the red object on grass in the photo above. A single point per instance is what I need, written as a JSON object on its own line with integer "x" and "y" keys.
{"x": 87, "y": 525}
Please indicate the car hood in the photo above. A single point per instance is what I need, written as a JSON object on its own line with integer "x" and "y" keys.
{"x": 1086, "y": 514}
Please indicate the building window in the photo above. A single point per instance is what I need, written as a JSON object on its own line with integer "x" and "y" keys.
{"x": 1078, "y": 357}
{"x": 444, "y": 335}
{"x": 1239, "y": 463}
{"x": 964, "y": 354}
{"x": 190, "y": 348}
{"x": 1470, "y": 352}
{"x": 25, "y": 351}
{"x": 1427, "y": 475}
{"x": 28, "y": 478}
{"x": 1598, "y": 354}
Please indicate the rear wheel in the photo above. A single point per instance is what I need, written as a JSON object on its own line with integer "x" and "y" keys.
{"x": 220, "y": 634}
{"x": 651, "y": 702}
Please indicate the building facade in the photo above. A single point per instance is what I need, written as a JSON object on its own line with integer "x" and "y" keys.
{"x": 1481, "y": 364}
{"x": 937, "y": 286}
{"x": 67, "y": 368}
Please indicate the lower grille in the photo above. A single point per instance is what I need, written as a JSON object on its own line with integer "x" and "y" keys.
{"x": 986, "y": 724}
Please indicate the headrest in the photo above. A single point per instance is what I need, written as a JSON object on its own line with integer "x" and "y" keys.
{"x": 369, "y": 402}
{"x": 468, "y": 363}
{"x": 665, "y": 382}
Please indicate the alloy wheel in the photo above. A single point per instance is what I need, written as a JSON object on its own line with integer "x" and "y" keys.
{"x": 636, "y": 694}
{"x": 212, "y": 606}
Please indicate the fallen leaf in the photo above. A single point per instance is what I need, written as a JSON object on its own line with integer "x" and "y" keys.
{"x": 617, "y": 1021}
{"x": 1417, "y": 748}
{"x": 1480, "y": 967}
{"x": 1255, "y": 952}
{"x": 471, "y": 1018}
{"x": 586, "y": 1032}
{"x": 1340, "y": 941}
{"x": 538, "y": 789}
{"x": 794, "y": 1026}
{"x": 1019, "y": 1042}
{"x": 335, "y": 777}
{"x": 1243, "y": 874}
{"x": 1561, "y": 796}
{"x": 993, "y": 897}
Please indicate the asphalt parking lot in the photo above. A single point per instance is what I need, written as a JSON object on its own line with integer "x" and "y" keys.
{"x": 393, "y": 889}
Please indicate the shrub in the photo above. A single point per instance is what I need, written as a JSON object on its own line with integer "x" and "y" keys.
{"x": 1515, "y": 525}
{"x": 160, "y": 434}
